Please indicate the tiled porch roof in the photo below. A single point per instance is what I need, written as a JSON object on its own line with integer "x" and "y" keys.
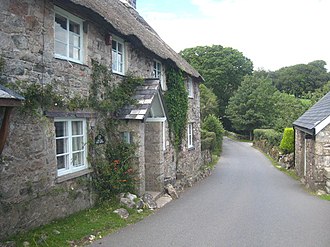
{"x": 9, "y": 97}
{"x": 144, "y": 96}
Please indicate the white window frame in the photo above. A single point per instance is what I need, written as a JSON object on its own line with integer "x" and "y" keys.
{"x": 70, "y": 168}
{"x": 190, "y": 135}
{"x": 190, "y": 87}
{"x": 157, "y": 72}
{"x": 77, "y": 20}
{"x": 116, "y": 63}
{"x": 127, "y": 137}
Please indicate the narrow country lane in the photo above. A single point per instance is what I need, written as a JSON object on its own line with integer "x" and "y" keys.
{"x": 246, "y": 202}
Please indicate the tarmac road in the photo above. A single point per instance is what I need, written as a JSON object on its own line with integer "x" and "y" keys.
{"x": 246, "y": 202}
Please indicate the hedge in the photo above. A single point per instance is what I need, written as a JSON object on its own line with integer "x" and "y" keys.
{"x": 270, "y": 135}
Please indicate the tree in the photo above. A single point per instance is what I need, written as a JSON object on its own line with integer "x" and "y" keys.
{"x": 222, "y": 68}
{"x": 318, "y": 93}
{"x": 208, "y": 102}
{"x": 252, "y": 105}
{"x": 213, "y": 124}
{"x": 288, "y": 109}
{"x": 301, "y": 78}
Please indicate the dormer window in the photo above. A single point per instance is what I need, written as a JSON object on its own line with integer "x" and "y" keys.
{"x": 118, "y": 56}
{"x": 157, "y": 73}
{"x": 68, "y": 36}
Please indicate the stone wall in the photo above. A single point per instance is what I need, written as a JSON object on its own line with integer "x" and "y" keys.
{"x": 299, "y": 152}
{"x": 31, "y": 194}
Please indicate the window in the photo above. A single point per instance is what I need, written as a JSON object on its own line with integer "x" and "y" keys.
{"x": 127, "y": 137}
{"x": 190, "y": 88}
{"x": 118, "y": 56}
{"x": 190, "y": 136}
{"x": 71, "y": 142}
{"x": 157, "y": 73}
{"x": 68, "y": 36}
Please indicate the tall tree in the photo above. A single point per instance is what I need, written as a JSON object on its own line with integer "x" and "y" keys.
{"x": 301, "y": 78}
{"x": 223, "y": 69}
{"x": 251, "y": 105}
{"x": 208, "y": 103}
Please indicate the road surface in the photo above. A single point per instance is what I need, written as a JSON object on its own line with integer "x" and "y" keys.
{"x": 246, "y": 202}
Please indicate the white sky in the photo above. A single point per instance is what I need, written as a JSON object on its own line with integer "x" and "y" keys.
{"x": 272, "y": 33}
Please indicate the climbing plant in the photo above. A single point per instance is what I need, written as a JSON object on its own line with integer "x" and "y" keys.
{"x": 114, "y": 163}
{"x": 176, "y": 98}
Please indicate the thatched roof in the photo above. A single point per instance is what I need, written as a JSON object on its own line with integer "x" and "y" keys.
{"x": 127, "y": 21}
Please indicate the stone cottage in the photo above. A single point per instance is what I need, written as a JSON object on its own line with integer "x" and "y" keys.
{"x": 45, "y": 166}
{"x": 312, "y": 144}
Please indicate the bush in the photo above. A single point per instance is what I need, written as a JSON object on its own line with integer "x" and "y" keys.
{"x": 213, "y": 124}
{"x": 272, "y": 137}
{"x": 287, "y": 143}
{"x": 209, "y": 140}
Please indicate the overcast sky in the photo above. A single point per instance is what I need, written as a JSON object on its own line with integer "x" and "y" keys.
{"x": 272, "y": 33}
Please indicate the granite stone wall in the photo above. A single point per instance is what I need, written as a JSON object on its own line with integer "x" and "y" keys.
{"x": 31, "y": 193}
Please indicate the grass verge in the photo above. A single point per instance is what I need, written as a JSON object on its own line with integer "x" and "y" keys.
{"x": 80, "y": 228}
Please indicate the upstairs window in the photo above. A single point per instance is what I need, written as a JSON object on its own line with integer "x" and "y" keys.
{"x": 190, "y": 88}
{"x": 68, "y": 36}
{"x": 118, "y": 53}
{"x": 71, "y": 139}
{"x": 157, "y": 73}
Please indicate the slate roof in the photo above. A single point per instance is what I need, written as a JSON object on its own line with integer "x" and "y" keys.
{"x": 144, "y": 96}
{"x": 127, "y": 21}
{"x": 9, "y": 97}
{"x": 315, "y": 116}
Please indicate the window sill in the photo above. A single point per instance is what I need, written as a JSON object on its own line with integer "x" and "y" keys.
{"x": 70, "y": 176}
{"x": 69, "y": 60}
{"x": 191, "y": 148}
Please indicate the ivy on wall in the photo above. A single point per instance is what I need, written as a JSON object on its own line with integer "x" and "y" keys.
{"x": 176, "y": 98}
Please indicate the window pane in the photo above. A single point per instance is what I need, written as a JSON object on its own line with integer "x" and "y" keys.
{"x": 77, "y": 159}
{"x": 62, "y": 162}
{"x": 77, "y": 144}
{"x": 114, "y": 45}
{"x": 74, "y": 40}
{"x": 77, "y": 127}
{"x": 74, "y": 27}
{"x": 61, "y": 129}
{"x": 61, "y": 146}
{"x": 74, "y": 53}
{"x": 60, "y": 28}
{"x": 60, "y": 48}
{"x": 120, "y": 48}
{"x": 114, "y": 61}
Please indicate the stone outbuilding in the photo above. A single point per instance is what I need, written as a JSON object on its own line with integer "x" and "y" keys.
{"x": 312, "y": 144}
{"x": 46, "y": 163}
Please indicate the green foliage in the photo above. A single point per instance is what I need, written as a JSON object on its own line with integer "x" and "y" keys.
{"x": 287, "y": 109}
{"x": 287, "y": 143}
{"x": 208, "y": 102}
{"x": 209, "y": 140}
{"x": 114, "y": 166}
{"x": 318, "y": 93}
{"x": 109, "y": 98}
{"x": 213, "y": 124}
{"x": 272, "y": 137}
{"x": 176, "y": 98}
{"x": 76, "y": 229}
{"x": 114, "y": 173}
{"x": 223, "y": 69}
{"x": 250, "y": 107}
{"x": 301, "y": 78}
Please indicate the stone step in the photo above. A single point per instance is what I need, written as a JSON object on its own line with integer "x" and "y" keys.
{"x": 163, "y": 200}
{"x": 155, "y": 194}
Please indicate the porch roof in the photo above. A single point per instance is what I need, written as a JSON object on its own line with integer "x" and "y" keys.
{"x": 317, "y": 117}
{"x": 144, "y": 96}
{"x": 9, "y": 97}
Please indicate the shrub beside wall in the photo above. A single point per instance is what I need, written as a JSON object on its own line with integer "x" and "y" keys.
{"x": 287, "y": 143}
